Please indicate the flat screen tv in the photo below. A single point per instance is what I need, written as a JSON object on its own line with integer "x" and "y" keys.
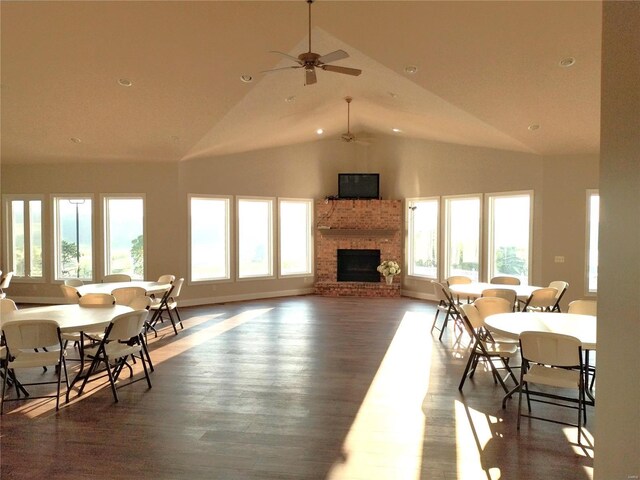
{"x": 359, "y": 185}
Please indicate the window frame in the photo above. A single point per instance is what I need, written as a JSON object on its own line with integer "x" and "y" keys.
{"x": 489, "y": 197}
{"x": 104, "y": 198}
{"x": 310, "y": 238}
{"x": 55, "y": 232}
{"x": 589, "y": 195}
{"x": 229, "y": 239}
{"x": 270, "y": 247}
{"x": 7, "y": 200}
{"x": 409, "y": 241}
{"x": 445, "y": 215}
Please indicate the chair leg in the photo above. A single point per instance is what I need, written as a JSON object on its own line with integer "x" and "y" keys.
{"x": 145, "y": 351}
{"x": 173, "y": 322}
{"x": 472, "y": 358}
{"x": 435, "y": 319}
{"x": 519, "y": 403}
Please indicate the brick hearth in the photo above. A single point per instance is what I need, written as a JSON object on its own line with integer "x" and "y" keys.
{"x": 356, "y": 224}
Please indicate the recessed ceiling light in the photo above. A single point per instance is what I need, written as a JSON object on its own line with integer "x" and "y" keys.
{"x": 567, "y": 62}
{"x": 320, "y": 131}
{"x": 533, "y": 126}
{"x": 246, "y": 78}
{"x": 125, "y": 82}
{"x": 290, "y": 99}
{"x": 410, "y": 69}
{"x": 75, "y": 140}
{"x": 397, "y": 130}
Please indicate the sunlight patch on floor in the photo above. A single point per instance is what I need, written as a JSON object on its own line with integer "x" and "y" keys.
{"x": 473, "y": 433}
{"x": 386, "y": 437}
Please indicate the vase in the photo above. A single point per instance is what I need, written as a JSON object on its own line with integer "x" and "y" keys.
{"x": 389, "y": 279}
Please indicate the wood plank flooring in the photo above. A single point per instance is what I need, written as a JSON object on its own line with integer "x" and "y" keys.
{"x": 295, "y": 388}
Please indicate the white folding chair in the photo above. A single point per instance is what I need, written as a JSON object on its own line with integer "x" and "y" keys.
{"x": 168, "y": 278}
{"x": 505, "y": 280}
{"x": 70, "y": 293}
{"x": 168, "y": 304}
{"x": 505, "y": 293}
{"x": 122, "y": 340}
{"x": 116, "y": 277}
{"x": 97, "y": 300}
{"x": 553, "y": 360}
{"x": 30, "y": 344}
{"x": 561, "y": 287}
{"x": 73, "y": 282}
{"x": 541, "y": 300}
{"x": 4, "y": 283}
{"x": 7, "y": 305}
{"x": 125, "y": 295}
{"x": 583, "y": 307}
{"x": 446, "y": 305}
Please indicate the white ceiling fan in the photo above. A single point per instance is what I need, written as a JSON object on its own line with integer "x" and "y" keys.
{"x": 310, "y": 60}
{"x": 349, "y": 137}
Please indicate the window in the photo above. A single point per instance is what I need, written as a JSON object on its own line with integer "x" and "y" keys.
{"x": 73, "y": 237}
{"x": 255, "y": 237}
{"x": 510, "y": 235}
{"x": 296, "y": 241}
{"x": 462, "y": 236}
{"x": 124, "y": 235}
{"x": 593, "y": 222}
{"x": 24, "y": 236}
{"x": 209, "y": 238}
{"x": 422, "y": 237}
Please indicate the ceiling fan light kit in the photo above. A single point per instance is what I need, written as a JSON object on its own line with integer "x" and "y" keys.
{"x": 311, "y": 60}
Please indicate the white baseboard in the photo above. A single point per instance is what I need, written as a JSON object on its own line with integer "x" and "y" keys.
{"x": 420, "y": 295}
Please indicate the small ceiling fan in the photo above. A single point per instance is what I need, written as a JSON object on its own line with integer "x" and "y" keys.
{"x": 310, "y": 60}
{"x": 348, "y": 137}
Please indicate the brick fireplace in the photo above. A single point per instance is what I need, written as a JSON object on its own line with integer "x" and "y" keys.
{"x": 356, "y": 225}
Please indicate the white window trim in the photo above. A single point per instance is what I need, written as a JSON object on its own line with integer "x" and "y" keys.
{"x": 7, "y": 252}
{"x": 55, "y": 233}
{"x": 105, "y": 227}
{"x": 409, "y": 203}
{"x": 587, "y": 244}
{"x": 488, "y": 205}
{"x": 229, "y": 235}
{"x": 444, "y": 240}
{"x": 273, "y": 255}
{"x": 311, "y": 239}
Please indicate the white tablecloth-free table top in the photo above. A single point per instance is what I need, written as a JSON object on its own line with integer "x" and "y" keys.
{"x": 511, "y": 325}
{"x": 149, "y": 287}
{"x": 474, "y": 289}
{"x": 70, "y": 318}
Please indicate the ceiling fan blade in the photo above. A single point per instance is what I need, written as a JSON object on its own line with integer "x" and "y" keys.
{"x": 333, "y": 56}
{"x": 338, "y": 69}
{"x": 295, "y": 59}
{"x": 310, "y": 77}
{"x": 282, "y": 68}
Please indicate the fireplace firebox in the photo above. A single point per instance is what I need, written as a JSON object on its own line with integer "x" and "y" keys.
{"x": 358, "y": 265}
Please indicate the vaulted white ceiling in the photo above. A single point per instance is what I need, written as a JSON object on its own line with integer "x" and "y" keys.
{"x": 486, "y": 72}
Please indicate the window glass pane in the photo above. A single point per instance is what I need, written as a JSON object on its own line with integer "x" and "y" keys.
{"x": 125, "y": 236}
{"x": 209, "y": 239}
{"x": 17, "y": 238}
{"x": 510, "y": 247}
{"x": 423, "y": 238}
{"x": 35, "y": 238}
{"x": 295, "y": 237}
{"x": 463, "y": 237}
{"x": 254, "y": 238}
{"x": 73, "y": 229}
{"x": 594, "y": 222}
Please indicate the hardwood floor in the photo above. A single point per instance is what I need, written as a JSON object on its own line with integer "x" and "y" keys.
{"x": 295, "y": 388}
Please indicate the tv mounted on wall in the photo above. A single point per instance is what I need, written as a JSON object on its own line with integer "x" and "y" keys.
{"x": 359, "y": 185}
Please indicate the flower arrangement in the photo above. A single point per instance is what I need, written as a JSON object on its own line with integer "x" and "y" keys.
{"x": 389, "y": 268}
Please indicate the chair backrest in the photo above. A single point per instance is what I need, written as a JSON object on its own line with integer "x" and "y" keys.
{"x": 560, "y": 286}
{"x": 458, "y": 279}
{"x": 7, "y": 305}
{"x": 70, "y": 293}
{"x": 30, "y": 334}
{"x": 472, "y": 314}
{"x": 441, "y": 292}
{"x": 125, "y": 295}
{"x": 140, "y": 303}
{"x": 73, "y": 282}
{"x": 166, "y": 278}
{"x": 584, "y": 307}
{"x": 505, "y": 280}
{"x": 126, "y": 325}
{"x": 542, "y": 298}
{"x": 97, "y": 300}
{"x": 6, "y": 280}
{"x": 177, "y": 287}
{"x": 551, "y": 349}
{"x": 116, "y": 277}
{"x": 491, "y": 305}
{"x": 505, "y": 293}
